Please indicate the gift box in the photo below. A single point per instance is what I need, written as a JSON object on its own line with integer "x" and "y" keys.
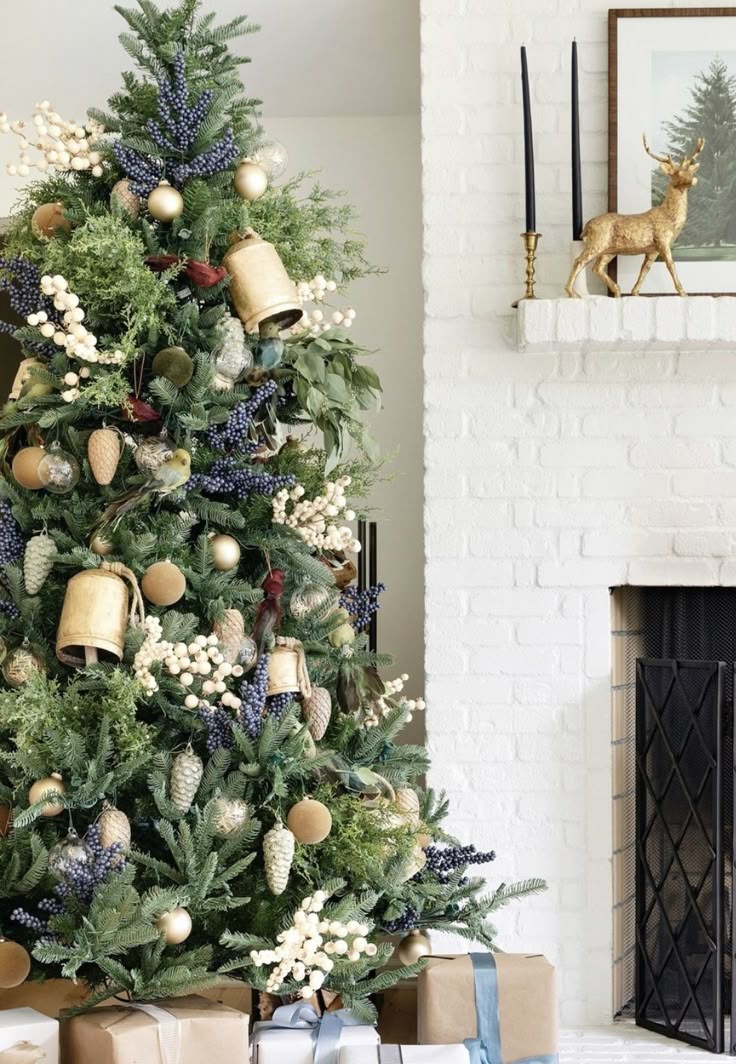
{"x": 298, "y": 1035}
{"x": 405, "y": 1055}
{"x": 186, "y": 1030}
{"x": 28, "y": 1037}
{"x": 397, "y": 1014}
{"x": 507, "y": 1000}
{"x": 50, "y": 997}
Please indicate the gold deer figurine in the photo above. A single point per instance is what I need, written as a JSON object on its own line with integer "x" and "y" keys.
{"x": 650, "y": 234}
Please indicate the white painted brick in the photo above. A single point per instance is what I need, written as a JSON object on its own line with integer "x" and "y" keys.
{"x": 672, "y": 571}
{"x": 548, "y": 633}
{"x": 699, "y": 485}
{"x": 675, "y": 514}
{"x": 579, "y": 452}
{"x": 700, "y": 319}
{"x": 701, "y": 422}
{"x": 626, "y": 543}
{"x": 637, "y": 320}
{"x": 727, "y": 320}
{"x": 581, "y": 572}
{"x": 675, "y": 454}
{"x": 572, "y": 321}
{"x": 629, "y": 423}
{"x": 705, "y": 544}
{"x": 605, "y": 320}
{"x": 625, "y": 484}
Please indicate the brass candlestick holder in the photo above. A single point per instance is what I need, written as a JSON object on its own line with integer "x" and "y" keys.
{"x": 530, "y": 246}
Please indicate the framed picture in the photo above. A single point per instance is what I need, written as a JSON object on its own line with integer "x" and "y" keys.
{"x": 672, "y": 76}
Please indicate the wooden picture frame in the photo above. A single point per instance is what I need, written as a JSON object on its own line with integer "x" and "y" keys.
{"x": 639, "y": 99}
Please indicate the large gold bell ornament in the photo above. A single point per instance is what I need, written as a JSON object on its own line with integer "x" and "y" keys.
{"x": 261, "y": 290}
{"x": 93, "y": 619}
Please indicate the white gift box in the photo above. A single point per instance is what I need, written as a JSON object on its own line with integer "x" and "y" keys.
{"x": 295, "y": 1045}
{"x": 28, "y": 1037}
{"x": 456, "y": 1054}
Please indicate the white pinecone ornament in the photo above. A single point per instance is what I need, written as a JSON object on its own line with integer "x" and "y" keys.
{"x": 186, "y": 775}
{"x": 114, "y": 828}
{"x": 38, "y": 562}
{"x": 230, "y": 631}
{"x": 278, "y": 853}
{"x": 317, "y": 710}
{"x": 103, "y": 451}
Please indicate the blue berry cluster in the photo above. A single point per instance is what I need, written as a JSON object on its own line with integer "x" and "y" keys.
{"x": 81, "y": 881}
{"x": 234, "y": 433}
{"x": 220, "y": 156}
{"x": 178, "y": 125}
{"x": 219, "y": 724}
{"x": 12, "y": 544}
{"x": 143, "y": 171}
{"x": 225, "y": 478}
{"x": 277, "y": 705}
{"x": 22, "y": 280}
{"x": 406, "y": 922}
{"x": 361, "y": 605}
{"x": 253, "y": 694}
{"x": 442, "y": 862}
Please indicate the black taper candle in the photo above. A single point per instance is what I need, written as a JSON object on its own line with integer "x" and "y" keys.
{"x": 577, "y": 185}
{"x": 531, "y": 209}
{"x": 363, "y": 540}
{"x": 372, "y": 581}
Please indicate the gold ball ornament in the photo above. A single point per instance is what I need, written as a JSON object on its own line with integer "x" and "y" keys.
{"x": 309, "y": 821}
{"x": 174, "y": 364}
{"x": 163, "y": 583}
{"x": 100, "y": 545}
{"x": 25, "y": 467}
{"x": 250, "y": 180}
{"x": 231, "y": 815}
{"x": 225, "y": 552}
{"x": 47, "y": 219}
{"x": 19, "y": 665}
{"x": 165, "y": 203}
{"x": 123, "y": 195}
{"x": 413, "y": 947}
{"x": 15, "y": 964}
{"x": 176, "y": 926}
{"x": 55, "y": 783}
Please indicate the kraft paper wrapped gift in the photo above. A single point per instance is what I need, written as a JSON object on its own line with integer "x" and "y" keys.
{"x": 297, "y": 1035}
{"x": 397, "y": 1014}
{"x": 516, "y": 1001}
{"x": 28, "y": 1037}
{"x": 405, "y": 1055}
{"x": 186, "y": 1030}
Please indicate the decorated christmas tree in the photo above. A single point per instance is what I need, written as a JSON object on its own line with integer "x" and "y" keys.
{"x": 200, "y": 767}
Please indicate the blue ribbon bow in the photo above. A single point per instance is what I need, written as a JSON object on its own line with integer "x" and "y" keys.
{"x": 325, "y": 1029}
{"x": 486, "y": 1048}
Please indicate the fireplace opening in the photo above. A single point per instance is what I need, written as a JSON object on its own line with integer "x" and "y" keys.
{"x": 673, "y": 659}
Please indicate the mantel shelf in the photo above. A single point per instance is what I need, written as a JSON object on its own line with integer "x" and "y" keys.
{"x": 664, "y": 322}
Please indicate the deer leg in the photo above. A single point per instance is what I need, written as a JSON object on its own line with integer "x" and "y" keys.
{"x": 667, "y": 256}
{"x": 580, "y": 263}
{"x": 646, "y": 266}
{"x": 600, "y": 270}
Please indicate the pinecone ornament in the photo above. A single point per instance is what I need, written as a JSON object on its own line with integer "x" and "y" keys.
{"x": 38, "y": 562}
{"x": 186, "y": 774}
{"x": 231, "y": 631}
{"x": 114, "y": 827}
{"x": 278, "y": 853}
{"x": 317, "y": 710}
{"x": 103, "y": 451}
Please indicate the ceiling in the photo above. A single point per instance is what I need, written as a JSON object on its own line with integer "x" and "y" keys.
{"x": 330, "y": 57}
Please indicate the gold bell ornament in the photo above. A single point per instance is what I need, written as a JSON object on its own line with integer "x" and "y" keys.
{"x": 165, "y": 203}
{"x": 260, "y": 290}
{"x": 287, "y": 669}
{"x": 94, "y": 616}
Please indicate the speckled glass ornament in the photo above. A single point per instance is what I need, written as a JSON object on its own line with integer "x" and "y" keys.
{"x": 153, "y": 452}
{"x": 231, "y": 361}
{"x": 58, "y": 470}
{"x": 248, "y": 654}
{"x": 272, "y": 157}
{"x": 308, "y": 599}
{"x": 71, "y": 851}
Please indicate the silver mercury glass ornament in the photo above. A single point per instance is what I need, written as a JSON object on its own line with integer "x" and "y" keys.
{"x": 65, "y": 855}
{"x": 231, "y": 356}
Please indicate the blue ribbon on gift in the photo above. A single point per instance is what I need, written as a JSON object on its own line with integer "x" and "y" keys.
{"x": 486, "y": 1048}
{"x": 325, "y": 1029}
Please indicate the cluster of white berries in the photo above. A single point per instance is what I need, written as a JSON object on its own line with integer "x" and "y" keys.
{"x": 199, "y": 666}
{"x": 61, "y": 145}
{"x": 377, "y": 710}
{"x": 312, "y": 520}
{"x": 307, "y": 950}
{"x": 70, "y": 334}
{"x": 317, "y": 321}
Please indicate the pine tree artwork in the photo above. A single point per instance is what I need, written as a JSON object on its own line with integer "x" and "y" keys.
{"x": 198, "y": 750}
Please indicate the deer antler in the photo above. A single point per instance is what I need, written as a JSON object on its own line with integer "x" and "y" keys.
{"x": 657, "y": 158}
{"x": 688, "y": 160}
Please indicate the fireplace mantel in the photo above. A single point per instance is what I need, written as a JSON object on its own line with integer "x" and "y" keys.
{"x": 659, "y": 322}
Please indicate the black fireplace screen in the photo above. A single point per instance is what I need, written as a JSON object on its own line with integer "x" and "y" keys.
{"x": 684, "y": 813}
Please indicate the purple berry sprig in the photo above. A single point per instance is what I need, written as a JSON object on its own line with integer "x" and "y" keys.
{"x": 233, "y": 434}
{"x": 225, "y": 478}
{"x": 178, "y": 122}
{"x": 361, "y": 605}
{"x": 219, "y": 725}
{"x": 12, "y": 544}
{"x": 143, "y": 172}
{"x": 253, "y": 694}
{"x": 443, "y": 861}
{"x": 408, "y": 920}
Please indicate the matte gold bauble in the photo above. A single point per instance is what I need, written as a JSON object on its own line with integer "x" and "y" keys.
{"x": 47, "y": 219}
{"x": 413, "y": 947}
{"x": 250, "y": 180}
{"x": 123, "y": 195}
{"x": 100, "y": 545}
{"x": 19, "y": 665}
{"x": 165, "y": 203}
{"x": 174, "y": 364}
{"x": 309, "y": 821}
{"x": 25, "y": 467}
{"x": 15, "y": 964}
{"x": 163, "y": 583}
{"x": 225, "y": 552}
{"x": 175, "y": 925}
{"x": 54, "y": 782}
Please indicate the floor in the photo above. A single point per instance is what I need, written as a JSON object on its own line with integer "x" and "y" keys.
{"x": 625, "y": 1044}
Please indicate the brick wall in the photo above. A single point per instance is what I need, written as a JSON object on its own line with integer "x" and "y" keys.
{"x": 549, "y": 477}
